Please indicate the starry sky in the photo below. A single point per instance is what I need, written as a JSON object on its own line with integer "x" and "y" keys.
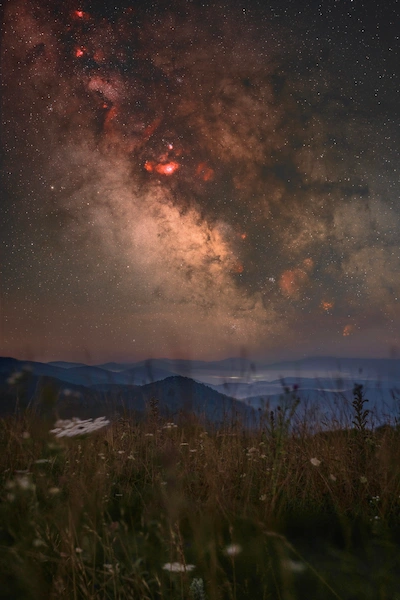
{"x": 199, "y": 180}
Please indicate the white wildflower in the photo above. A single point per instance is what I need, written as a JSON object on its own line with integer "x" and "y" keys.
{"x": 15, "y": 377}
{"x": 233, "y": 549}
{"x": 315, "y": 462}
{"x": 332, "y": 477}
{"x": 25, "y": 483}
{"x": 294, "y": 565}
{"x": 75, "y": 426}
{"x": 176, "y": 567}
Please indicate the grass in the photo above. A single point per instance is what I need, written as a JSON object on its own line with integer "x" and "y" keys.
{"x": 154, "y": 509}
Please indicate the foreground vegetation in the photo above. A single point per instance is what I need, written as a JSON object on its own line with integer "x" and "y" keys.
{"x": 177, "y": 509}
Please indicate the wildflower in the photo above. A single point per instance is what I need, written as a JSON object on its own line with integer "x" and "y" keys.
{"x": 73, "y": 427}
{"x": 54, "y": 490}
{"x": 193, "y": 450}
{"x": 38, "y": 542}
{"x": 26, "y": 435}
{"x": 363, "y": 479}
{"x": 263, "y": 497}
{"x": 315, "y": 462}
{"x": 233, "y": 549}
{"x": 176, "y": 567}
{"x": 25, "y": 483}
{"x": 111, "y": 569}
{"x": 149, "y": 435}
{"x": 121, "y": 451}
{"x": 294, "y": 565}
{"x": 184, "y": 444}
{"x": 78, "y": 550}
{"x": 19, "y": 376}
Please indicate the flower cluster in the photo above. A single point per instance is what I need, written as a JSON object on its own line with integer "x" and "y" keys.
{"x": 73, "y": 427}
{"x": 176, "y": 567}
{"x": 170, "y": 426}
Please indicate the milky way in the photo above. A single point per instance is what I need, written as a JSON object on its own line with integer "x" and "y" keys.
{"x": 188, "y": 180}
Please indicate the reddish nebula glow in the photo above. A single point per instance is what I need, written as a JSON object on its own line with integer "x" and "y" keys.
{"x": 348, "y": 330}
{"x": 167, "y": 169}
{"x": 292, "y": 280}
{"x": 80, "y": 52}
{"x": 112, "y": 113}
{"x": 327, "y": 306}
{"x": 238, "y": 267}
{"x": 243, "y": 236}
{"x": 205, "y": 172}
{"x": 308, "y": 263}
{"x": 80, "y": 14}
{"x": 161, "y": 168}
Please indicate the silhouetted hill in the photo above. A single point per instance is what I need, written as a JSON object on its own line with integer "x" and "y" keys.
{"x": 176, "y": 394}
{"x": 78, "y": 374}
{"x": 49, "y": 395}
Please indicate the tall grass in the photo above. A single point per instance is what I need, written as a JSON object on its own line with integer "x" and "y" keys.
{"x": 183, "y": 510}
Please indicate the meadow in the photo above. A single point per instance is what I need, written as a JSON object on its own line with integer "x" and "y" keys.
{"x": 177, "y": 508}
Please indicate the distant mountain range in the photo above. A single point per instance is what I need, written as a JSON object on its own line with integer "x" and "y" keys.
{"x": 235, "y": 386}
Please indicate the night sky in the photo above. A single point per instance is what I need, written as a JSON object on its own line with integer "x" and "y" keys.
{"x": 199, "y": 180}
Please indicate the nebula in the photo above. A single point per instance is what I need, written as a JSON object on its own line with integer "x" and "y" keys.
{"x": 193, "y": 180}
